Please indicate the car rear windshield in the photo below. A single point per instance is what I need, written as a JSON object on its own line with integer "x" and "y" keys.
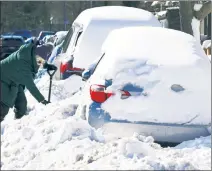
{"x": 12, "y": 42}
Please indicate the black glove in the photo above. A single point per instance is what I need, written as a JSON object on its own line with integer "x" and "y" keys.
{"x": 33, "y": 40}
{"x": 49, "y": 67}
{"x": 45, "y": 102}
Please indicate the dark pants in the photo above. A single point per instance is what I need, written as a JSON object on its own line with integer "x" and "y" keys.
{"x": 4, "y": 110}
{"x": 20, "y": 106}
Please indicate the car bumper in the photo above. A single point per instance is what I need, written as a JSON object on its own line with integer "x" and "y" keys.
{"x": 161, "y": 132}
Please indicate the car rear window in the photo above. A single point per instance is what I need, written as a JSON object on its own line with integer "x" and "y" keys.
{"x": 12, "y": 42}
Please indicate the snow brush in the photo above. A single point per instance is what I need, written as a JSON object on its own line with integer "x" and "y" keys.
{"x": 50, "y": 68}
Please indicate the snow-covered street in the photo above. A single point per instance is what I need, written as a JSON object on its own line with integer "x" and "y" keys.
{"x": 105, "y": 85}
{"x": 52, "y": 137}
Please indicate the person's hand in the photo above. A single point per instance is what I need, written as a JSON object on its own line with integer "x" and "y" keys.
{"x": 33, "y": 40}
{"x": 45, "y": 102}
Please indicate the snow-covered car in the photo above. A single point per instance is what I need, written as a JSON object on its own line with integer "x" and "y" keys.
{"x": 48, "y": 39}
{"x": 42, "y": 34}
{"x": 153, "y": 81}
{"x": 90, "y": 29}
{"x": 59, "y": 37}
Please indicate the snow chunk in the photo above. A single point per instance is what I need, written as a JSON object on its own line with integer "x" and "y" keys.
{"x": 196, "y": 28}
{"x": 154, "y": 3}
{"x": 197, "y": 7}
{"x": 206, "y": 44}
{"x": 197, "y": 143}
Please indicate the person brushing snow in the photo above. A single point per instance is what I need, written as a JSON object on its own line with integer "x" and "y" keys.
{"x": 18, "y": 70}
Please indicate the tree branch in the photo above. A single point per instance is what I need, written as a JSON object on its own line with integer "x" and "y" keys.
{"x": 204, "y": 11}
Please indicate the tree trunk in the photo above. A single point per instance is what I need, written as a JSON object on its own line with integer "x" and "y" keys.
{"x": 186, "y": 16}
{"x": 204, "y": 11}
{"x": 130, "y": 3}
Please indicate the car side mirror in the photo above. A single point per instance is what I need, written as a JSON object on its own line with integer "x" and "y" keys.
{"x": 86, "y": 75}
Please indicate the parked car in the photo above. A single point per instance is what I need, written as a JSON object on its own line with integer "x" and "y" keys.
{"x": 48, "y": 39}
{"x": 10, "y": 44}
{"x": 89, "y": 30}
{"x": 42, "y": 34}
{"x": 58, "y": 43}
{"x": 26, "y": 34}
{"x": 59, "y": 37}
{"x": 153, "y": 81}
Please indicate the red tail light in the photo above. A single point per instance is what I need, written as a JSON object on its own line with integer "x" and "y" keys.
{"x": 98, "y": 94}
{"x": 63, "y": 67}
{"x": 66, "y": 66}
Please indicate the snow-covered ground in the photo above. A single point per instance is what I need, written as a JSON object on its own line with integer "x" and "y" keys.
{"x": 52, "y": 137}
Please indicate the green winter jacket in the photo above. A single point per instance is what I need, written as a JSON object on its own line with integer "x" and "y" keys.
{"x": 18, "y": 68}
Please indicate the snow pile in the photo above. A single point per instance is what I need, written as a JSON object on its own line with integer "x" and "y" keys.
{"x": 195, "y": 24}
{"x": 206, "y": 44}
{"x": 52, "y": 138}
{"x": 178, "y": 60}
{"x": 197, "y": 7}
{"x": 63, "y": 144}
{"x": 61, "y": 90}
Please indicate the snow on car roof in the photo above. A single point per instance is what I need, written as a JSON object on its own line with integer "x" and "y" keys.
{"x": 116, "y": 13}
{"x": 174, "y": 47}
{"x": 156, "y": 59}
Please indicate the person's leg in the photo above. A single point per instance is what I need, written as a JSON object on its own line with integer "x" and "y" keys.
{"x": 4, "y": 110}
{"x": 20, "y": 103}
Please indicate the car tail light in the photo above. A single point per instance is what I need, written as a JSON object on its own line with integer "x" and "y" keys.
{"x": 98, "y": 94}
{"x": 68, "y": 67}
{"x": 63, "y": 67}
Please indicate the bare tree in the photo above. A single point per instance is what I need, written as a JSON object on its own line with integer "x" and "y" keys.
{"x": 187, "y": 13}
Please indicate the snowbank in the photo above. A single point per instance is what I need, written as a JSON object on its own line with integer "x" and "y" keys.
{"x": 52, "y": 138}
{"x": 61, "y": 90}
{"x": 53, "y": 144}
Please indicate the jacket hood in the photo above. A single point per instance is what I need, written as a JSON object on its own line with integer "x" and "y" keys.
{"x": 27, "y": 53}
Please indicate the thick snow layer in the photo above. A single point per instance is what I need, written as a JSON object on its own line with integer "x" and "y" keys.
{"x": 52, "y": 138}
{"x": 97, "y": 23}
{"x": 154, "y": 3}
{"x": 206, "y": 44}
{"x": 60, "y": 36}
{"x": 195, "y": 24}
{"x": 116, "y": 13}
{"x": 141, "y": 59}
{"x": 161, "y": 14}
{"x": 197, "y": 7}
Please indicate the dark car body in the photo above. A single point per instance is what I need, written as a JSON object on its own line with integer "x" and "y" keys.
{"x": 10, "y": 44}
{"x": 24, "y": 33}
